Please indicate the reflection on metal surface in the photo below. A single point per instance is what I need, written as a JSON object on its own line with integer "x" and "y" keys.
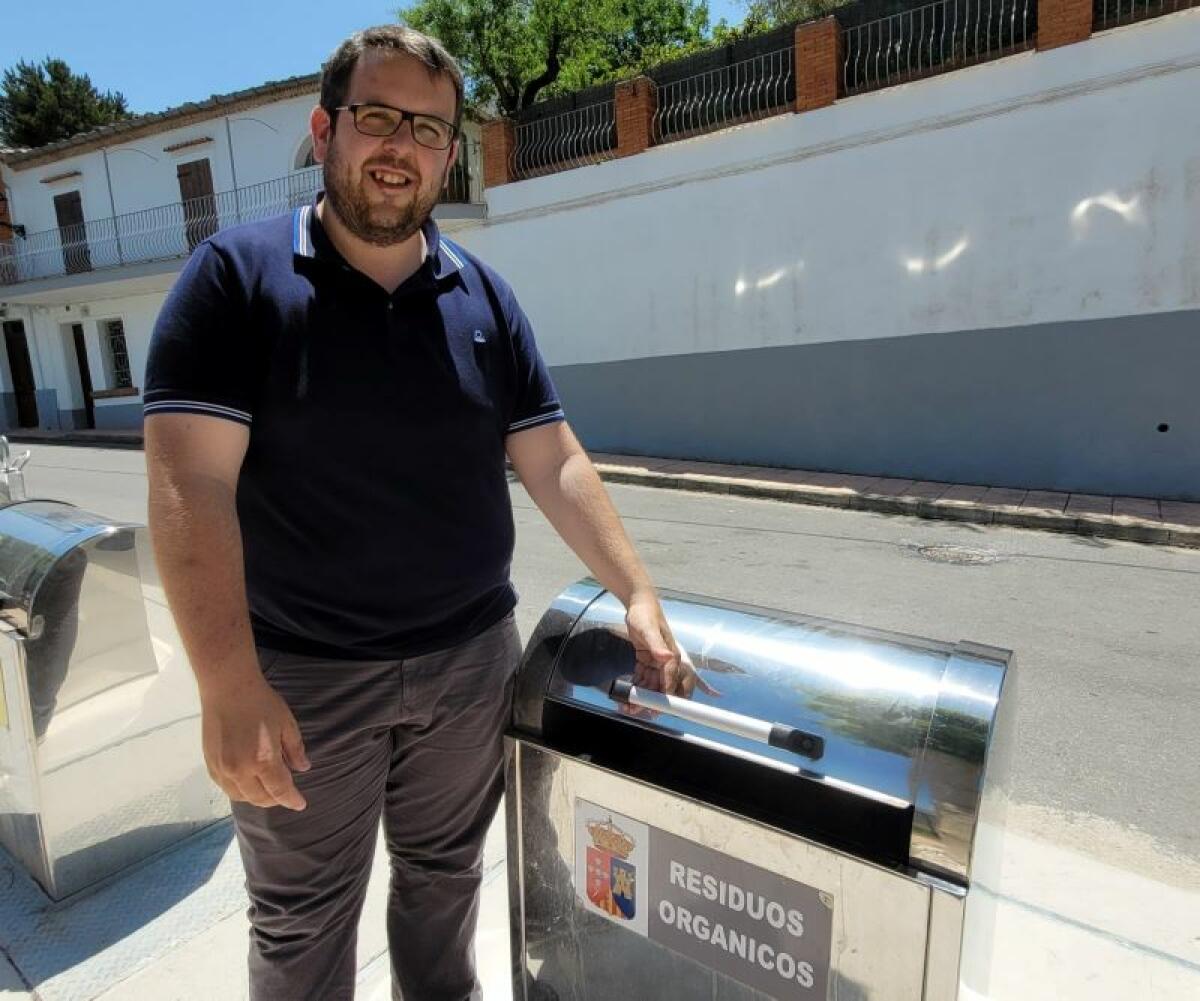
{"x": 904, "y": 717}
{"x": 568, "y": 954}
{"x": 738, "y": 724}
{"x": 99, "y": 760}
{"x": 887, "y": 820}
{"x": 12, "y": 473}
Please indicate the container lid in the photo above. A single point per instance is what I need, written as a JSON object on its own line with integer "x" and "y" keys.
{"x": 882, "y": 716}
{"x": 34, "y": 536}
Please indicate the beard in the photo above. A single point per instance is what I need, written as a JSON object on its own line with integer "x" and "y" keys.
{"x": 381, "y": 224}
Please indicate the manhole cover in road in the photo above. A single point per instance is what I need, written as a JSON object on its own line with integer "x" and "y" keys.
{"x": 958, "y": 555}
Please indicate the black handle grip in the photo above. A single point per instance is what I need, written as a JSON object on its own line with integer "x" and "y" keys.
{"x": 808, "y": 745}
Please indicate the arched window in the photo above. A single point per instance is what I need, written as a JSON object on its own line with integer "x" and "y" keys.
{"x": 304, "y": 155}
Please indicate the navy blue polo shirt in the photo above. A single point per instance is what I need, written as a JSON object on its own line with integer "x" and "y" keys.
{"x": 373, "y": 500}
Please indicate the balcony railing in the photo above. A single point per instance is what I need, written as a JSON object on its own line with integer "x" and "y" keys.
{"x": 573, "y": 138}
{"x": 172, "y": 231}
{"x": 752, "y": 88}
{"x": 1110, "y": 13}
{"x": 934, "y": 38}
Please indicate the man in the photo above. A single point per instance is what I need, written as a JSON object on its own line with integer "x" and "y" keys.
{"x": 329, "y": 400}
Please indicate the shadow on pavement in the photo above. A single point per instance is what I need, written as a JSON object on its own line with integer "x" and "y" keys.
{"x": 77, "y": 947}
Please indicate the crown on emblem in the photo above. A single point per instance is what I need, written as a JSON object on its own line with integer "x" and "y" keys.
{"x": 610, "y": 838}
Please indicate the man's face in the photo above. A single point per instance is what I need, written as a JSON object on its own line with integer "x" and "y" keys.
{"x": 384, "y": 188}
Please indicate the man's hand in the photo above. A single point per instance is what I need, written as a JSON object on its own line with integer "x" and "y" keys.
{"x": 560, "y": 478}
{"x": 661, "y": 666}
{"x": 252, "y": 745}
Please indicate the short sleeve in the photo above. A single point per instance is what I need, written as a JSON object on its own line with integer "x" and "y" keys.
{"x": 535, "y": 401}
{"x": 199, "y": 359}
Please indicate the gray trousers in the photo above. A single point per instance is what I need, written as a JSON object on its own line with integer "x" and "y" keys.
{"x": 418, "y": 742}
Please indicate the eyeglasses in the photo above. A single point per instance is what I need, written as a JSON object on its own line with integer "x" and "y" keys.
{"x": 381, "y": 120}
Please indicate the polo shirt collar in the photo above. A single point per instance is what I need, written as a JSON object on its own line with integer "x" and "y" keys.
{"x": 447, "y": 259}
{"x": 309, "y": 239}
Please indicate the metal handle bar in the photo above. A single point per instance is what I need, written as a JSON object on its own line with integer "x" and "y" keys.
{"x": 808, "y": 745}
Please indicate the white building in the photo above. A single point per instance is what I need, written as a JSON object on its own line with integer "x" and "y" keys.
{"x": 101, "y": 223}
{"x": 985, "y": 275}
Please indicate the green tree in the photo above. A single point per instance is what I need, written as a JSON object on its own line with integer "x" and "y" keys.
{"x": 514, "y": 51}
{"x": 763, "y": 15}
{"x": 43, "y": 102}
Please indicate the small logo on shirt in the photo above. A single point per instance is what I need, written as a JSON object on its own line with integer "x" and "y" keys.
{"x": 479, "y": 337}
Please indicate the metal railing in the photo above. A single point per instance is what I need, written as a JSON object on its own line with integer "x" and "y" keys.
{"x": 171, "y": 231}
{"x": 156, "y": 234}
{"x": 575, "y": 138}
{"x": 462, "y": 187}
{"x": 935, "y": 38}
{"x": 1111, "y": 13}
{"x": 743, "y": 91}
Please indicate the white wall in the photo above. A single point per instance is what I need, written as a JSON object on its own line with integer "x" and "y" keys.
{"x": 1050, "y": 186}
{"x": 265, "y": 149}
{"x": 53, "y": 353}
{"x": 265, "y": 140}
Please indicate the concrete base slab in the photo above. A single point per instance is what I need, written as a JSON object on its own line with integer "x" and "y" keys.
{"x": 12, "y": 987}
{"x": 211, "y": 965}
{"x": 175, "y": 929}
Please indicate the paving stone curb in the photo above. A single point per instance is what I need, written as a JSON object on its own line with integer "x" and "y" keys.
{"x": 1099, "y": 526}
{"x": 90, "y": 439}
{"x": 1103, "y": 526}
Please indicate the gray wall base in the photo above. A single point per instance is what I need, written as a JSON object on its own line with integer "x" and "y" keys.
{"x": 47, "y": 407}
{"x": 72, "y": 420}
{"x": 125, "y": 417}
{"x": 1067, "y": 406}
{"x": 47, "y": 404}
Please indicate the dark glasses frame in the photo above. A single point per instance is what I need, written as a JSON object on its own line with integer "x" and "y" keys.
{"x": 412, "y": 117}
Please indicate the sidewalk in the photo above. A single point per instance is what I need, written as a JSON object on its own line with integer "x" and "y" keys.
{"x": 174, "y": 928}
{"x": 1134, "y": 519}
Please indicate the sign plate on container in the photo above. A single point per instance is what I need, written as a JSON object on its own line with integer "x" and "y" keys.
{"x": 765, "y": 931}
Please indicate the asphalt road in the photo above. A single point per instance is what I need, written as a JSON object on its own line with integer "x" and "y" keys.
{"x": 1106, "y": 633}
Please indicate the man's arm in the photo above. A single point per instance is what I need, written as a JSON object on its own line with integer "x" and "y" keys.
{"x": 560, "y": 478}
{"x": 250, "y": 736}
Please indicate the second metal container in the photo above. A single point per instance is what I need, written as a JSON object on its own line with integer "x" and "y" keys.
{"x": 100, "y": 762}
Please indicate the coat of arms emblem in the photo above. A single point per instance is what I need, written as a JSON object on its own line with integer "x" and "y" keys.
{"x": 611, "y": 877}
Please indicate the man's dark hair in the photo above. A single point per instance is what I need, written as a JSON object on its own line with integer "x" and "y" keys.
{"x": 399, "y": 38}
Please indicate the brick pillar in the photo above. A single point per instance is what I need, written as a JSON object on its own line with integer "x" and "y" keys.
{"x": 1061, "y": 22}
{"x": 818, "y": 63}
{"x": 636, "y": 101}
{"x": 499, "y": 142}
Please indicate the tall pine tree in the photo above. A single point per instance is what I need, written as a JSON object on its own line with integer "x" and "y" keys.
{"x": 43, "y": 102}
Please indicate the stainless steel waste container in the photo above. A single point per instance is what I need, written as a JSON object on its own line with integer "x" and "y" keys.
{"x": 808, "y": 824}
{"x": 100, "y": 760}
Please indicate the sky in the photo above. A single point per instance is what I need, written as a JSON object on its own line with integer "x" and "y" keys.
{"x": 161, "y": 54}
